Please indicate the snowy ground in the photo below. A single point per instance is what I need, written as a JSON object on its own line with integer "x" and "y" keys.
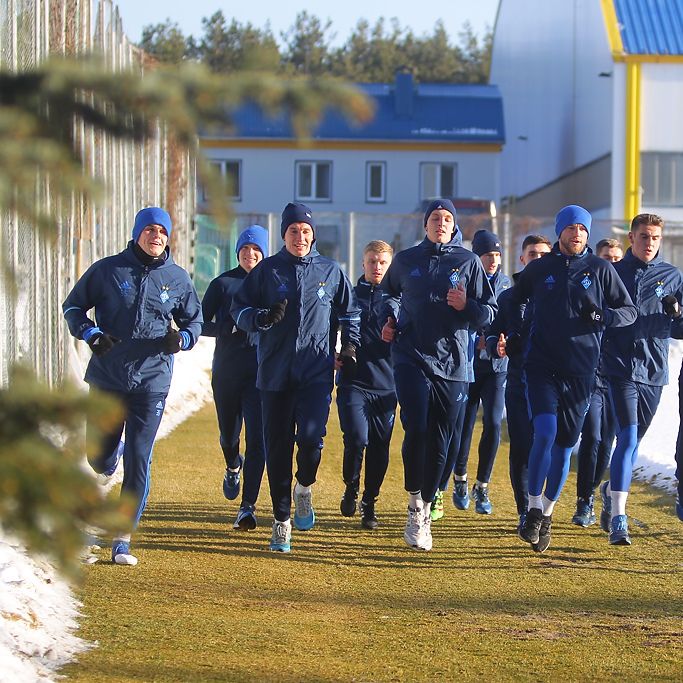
{"x": 38, "y": 613}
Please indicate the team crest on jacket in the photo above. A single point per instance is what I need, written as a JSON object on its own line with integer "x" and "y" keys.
{"x": 321, "y": 291}
{"x": 586, "y": 282}
{"x": 164, "y": 294}
{"x": 454, "y": 278}
{"x": 660, "y": 289}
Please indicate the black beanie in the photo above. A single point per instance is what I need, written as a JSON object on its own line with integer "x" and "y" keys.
{"x": 446, "y": 204}
{"x": 296, "y": 213}
{"x": 484, "y": 242}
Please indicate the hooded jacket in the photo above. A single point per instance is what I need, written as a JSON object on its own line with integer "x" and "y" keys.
{"x": 374, "y": 371}
{"x": 296, "y": 351}
{"x": 560, "y": 340}
{"x": 484, "y": 362}
{"x": 134, "y": 303}
{"x": 641, "y": 352}
{"x": 234, "y": 347}
{"x": 430, "y": 333}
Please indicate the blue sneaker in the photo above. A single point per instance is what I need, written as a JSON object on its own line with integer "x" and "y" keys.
{"x": 304, "y": 514}
{"x": 281, "y": 540}
{"x": 246, "y": 518}
{"x": 679, "y": 510}
{"x": 118, "y": 454}
{"x": 120, "y": 553}
{"x": 232, "y": 481}
{"x": 461, "y": 497}
{"x": 606, "y": 513}
{"x": 618, "y": 533}
{"x": 482, "y": 504}
{"x": 522, "y": 519}
{"x": 585, "y": 514}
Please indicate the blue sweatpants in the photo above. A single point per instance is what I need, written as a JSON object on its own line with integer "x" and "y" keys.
{"x": 521, "y": 434}
{"x": 296, "y": 415}
{"x": 367, "y": 421}
{"x": 429, "y": 410}
{"x": 635, "y": 405}
{"x": 597, "y": 439}
{"x": 237, "y": 399}
{"x": 454, "y": 445}
{"x": 558, "y": 406}
{"x": 141, "y": 419}
{"x": 489, "y": 390}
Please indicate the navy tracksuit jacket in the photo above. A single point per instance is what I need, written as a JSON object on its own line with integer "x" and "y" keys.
{"x": 488, "y": 388}
{"x": 295, "y": 359}
{"x": 431, "y": 349}
{"x": 367, "y": 404}
{"x": 135, "y": 303}
{"x": 233, "y": 381}
{"x": 636, "y": 359}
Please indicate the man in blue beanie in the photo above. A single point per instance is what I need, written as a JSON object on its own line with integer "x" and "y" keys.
{"x": 233, "y": 378}
{"x": 289, "y": 300}
{"x": 488, "y": 389}
{"x": 444, "y": 291}
{"x": 573, "y": 295}
{"x": 138, "y": 295}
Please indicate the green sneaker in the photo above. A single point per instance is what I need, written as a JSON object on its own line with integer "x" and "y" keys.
{"x": 437, "y": 506}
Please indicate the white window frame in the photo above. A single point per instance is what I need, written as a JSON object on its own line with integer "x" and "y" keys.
{"x": 369, "y": 165}
{"x": 314, "y": 195}
{"x": 438, "y": 190}
{"x": 664, "y": 167}
{"x": 222, "y": 165}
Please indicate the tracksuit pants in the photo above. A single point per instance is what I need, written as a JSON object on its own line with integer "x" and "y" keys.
{"x": 521, "y": 435}
{"x": 429, "y": 410}
{"x": 454, "y": 445}
{"x": 237, "y": 399}
{"x": 295, "y": 415}
{"x": 597, "y": 439}
{"x": 142, "y": 416}
{"x": 489, "y": 390}
{"x": 635, "y": 405}
{"x": 367, "y": 421}
{"x": 679, "y": 440}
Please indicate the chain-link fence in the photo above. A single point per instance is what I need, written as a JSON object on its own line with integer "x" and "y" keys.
{"x": 134, "y": 175}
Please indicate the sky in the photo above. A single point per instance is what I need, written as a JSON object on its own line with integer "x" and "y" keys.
{"x": 420, "y": 16}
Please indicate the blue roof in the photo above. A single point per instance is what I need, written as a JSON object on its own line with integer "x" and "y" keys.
{"x": 651, "y": 27}
{"x": 404, "y": 112}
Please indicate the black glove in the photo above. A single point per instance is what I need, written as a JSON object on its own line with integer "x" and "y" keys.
{"x": 171, "y": 342}
{"x": 273, "y": 315}
{"x": 592, "y": 313}
{"x": 102, "y": 343}
{"x": 671, "y": 306}
{"x": 513, "y": 345}
{"x": 348, "y": 361}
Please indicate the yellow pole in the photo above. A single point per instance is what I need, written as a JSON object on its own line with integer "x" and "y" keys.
{"x": 632, "y": 143}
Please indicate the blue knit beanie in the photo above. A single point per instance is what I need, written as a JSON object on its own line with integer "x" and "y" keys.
{"x": 440, "y": 204}
{"x": 254, "y": 234}
{"x": 484, "y": 242}
{"x": 152, "y": 215}
{"x": 296, "y": 213}
{"x": 572, "y": 215}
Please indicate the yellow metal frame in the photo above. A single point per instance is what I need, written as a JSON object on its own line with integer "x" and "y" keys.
{"x": 632, "y": 142}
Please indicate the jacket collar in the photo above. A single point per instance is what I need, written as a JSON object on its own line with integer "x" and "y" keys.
{"x": 637, "y": 263}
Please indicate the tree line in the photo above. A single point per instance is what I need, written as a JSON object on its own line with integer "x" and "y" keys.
{"x": 371, "y": 54}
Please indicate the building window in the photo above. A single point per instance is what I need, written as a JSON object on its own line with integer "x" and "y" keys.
{"x": 662, "y": 178}
{"x": 231, "y": 171}
{"x": 437, "y": 180}
{"x": 314, "y": 181}
{"x": 375, "y": 181}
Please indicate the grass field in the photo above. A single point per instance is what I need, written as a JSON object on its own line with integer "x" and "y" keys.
{"x": 207, "y": 603}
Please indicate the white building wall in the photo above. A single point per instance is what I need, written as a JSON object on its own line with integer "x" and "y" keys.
{"x": 662, "y": 108}
{"x": 547, "y": 57}
{"x": 268, "y": 177}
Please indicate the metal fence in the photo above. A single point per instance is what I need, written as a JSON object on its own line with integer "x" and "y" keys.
{"x": 134, "y": 175}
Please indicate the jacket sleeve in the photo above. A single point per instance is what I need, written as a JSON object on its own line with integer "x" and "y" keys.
{"x": 188, "y": 316}
{"x": 247, "y": 302}
{"x": 210, "y": 306}
{"x": 481, "y": 305}
{"x": 498, "y": 326}
{"x": 391, "y": 284}
{"x": 79, "y": 301}
{"x": 620, "y": 311}
{"x": 347, "y": 311}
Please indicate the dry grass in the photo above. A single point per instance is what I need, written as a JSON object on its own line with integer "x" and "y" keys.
{"x": 207, "y": 603}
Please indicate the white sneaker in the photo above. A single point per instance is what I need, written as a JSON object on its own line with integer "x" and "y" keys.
{"x": 414, "y": 534}
{"x": 304, "y": 514}
{"x": 120, "y": 554}
{"x": 426, "y": 538}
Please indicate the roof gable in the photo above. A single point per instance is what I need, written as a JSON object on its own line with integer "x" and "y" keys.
{"x": 650, "y": 27}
